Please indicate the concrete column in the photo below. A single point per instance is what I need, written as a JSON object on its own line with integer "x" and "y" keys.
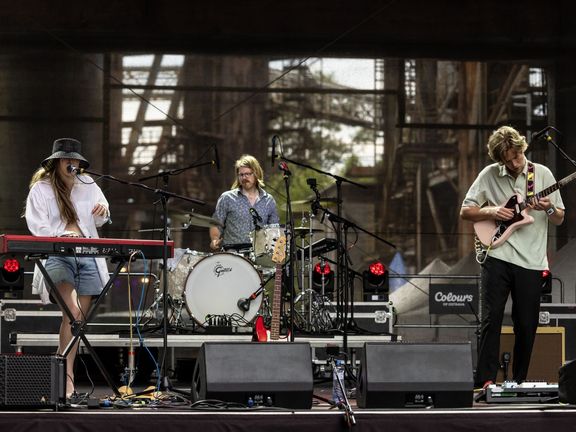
{"x": 562, "y": 111}
{"x": 44, "y": 95}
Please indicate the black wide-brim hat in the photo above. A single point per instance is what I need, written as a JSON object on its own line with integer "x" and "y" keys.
{"x": 67, "y": 148}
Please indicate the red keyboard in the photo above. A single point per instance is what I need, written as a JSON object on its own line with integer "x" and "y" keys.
{"x": 74, "y": 246}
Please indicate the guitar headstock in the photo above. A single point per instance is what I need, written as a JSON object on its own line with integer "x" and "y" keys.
{"x": 279, "y": 253}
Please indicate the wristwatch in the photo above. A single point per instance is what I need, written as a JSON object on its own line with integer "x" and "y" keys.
{"x": 551, "y": 210}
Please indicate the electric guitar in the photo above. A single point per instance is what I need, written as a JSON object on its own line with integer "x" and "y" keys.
{"x": 261, "y": 333}
{"x": 494, "y": 233}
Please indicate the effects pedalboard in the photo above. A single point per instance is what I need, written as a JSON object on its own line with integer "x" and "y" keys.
{"x": 527, "y": 392}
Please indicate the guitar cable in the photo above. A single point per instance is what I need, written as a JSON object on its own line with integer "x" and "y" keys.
{"x": 481, "y": 253}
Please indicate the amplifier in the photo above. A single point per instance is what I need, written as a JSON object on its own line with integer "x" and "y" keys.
{"x": 561, "y": 315}
{"x": 548, "y": 354}
{"x": 32, "y": 381}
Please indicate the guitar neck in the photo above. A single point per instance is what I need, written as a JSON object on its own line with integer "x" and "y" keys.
{"x": 555, "y": 187}
{"x": 275, "y": 321}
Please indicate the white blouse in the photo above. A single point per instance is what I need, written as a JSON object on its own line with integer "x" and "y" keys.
{"x": 43, "y": 219}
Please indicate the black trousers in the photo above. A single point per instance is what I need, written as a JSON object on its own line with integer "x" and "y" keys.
{"x": 500, "y": 279}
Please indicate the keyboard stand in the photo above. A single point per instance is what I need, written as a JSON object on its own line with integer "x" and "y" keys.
{"x": 79, "y": 327}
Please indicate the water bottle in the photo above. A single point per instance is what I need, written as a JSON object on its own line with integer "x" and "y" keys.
{"x": 337, "y": 390}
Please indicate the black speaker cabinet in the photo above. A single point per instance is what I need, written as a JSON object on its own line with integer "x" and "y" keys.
{"x": 32, "y": 381}
{"x": 567, "y": 383}
{"x": 252, "y": 373}
{"x": 403, "y": 375}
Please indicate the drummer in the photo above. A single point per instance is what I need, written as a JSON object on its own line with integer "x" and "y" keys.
{"x": 244, "y": 208}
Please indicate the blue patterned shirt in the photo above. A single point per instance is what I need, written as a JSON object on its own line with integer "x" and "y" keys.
{"x": 233, "y": 211}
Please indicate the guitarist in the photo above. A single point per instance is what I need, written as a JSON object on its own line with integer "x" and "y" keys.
{"x": 516, "y": 266}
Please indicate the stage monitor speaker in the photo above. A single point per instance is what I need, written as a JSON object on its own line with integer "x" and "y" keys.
{"x": 251, "y": 373}
{"x": 567, "y": 382}
{"x": 32, "y": 381}
{"x": 404, "y": 375}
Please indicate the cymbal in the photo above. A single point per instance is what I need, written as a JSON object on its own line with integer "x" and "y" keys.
{"x": 302, "y": 230}
{"x": 301, "y": 205}
{"x": 202, "y": 221}
{"x": 326, "y": 200}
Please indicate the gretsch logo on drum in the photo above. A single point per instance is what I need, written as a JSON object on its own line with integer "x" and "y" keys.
{"x": 219, "y": 269}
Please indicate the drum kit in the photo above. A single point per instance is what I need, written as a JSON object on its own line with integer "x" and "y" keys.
{"x": 227, "y": 288}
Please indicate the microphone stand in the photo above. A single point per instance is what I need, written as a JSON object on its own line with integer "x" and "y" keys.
{"x": 244, "y": 303}
{"x": 290, "y": 233}
{"x": 340, "y": 252}
{"x": 346, "y": 270}
{"x": 549, "y": 139}
{"x": 174, "y": 172}
{"x": 164, "y": 197}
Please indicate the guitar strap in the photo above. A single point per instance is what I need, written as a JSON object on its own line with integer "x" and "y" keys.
{"x": 481, "y": 251}
{"x": 530, "y": 175}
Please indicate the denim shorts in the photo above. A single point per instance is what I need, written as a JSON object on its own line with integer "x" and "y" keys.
{"x": 81, "y": 272}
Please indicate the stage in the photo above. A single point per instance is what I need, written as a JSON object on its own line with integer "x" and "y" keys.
{"x": 480, "y": 418}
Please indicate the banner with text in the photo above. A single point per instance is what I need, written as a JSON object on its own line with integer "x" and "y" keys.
{"x": 453, "y": 299}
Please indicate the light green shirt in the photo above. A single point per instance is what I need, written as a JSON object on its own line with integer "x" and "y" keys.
{"x": 526, "y": 247}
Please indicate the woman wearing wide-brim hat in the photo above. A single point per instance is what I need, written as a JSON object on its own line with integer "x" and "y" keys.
{"x": 63, "y": 203}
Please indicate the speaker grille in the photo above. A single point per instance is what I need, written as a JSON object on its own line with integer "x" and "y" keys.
{"x": 239, "y": 372}
{"x": 31, "y": 381}
{"x": 398, "y": 375}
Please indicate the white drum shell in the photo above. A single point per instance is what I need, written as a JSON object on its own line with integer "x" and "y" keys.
{"x": 215, "y": 285}
{"x": 179, "y": 268}
{"x": 263, "y": 242}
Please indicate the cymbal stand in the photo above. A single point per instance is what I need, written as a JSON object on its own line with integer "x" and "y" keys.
{"x": 303, "y": 260}
{"x": 310, "y": 271}
{"x": 306, "y": 264}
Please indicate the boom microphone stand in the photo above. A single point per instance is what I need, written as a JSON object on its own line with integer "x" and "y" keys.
{"x": 346, "y": 270}
{"x": 340, "y": 258}
{"x": 164, "y": 197}
{"x": 290, "y": 233}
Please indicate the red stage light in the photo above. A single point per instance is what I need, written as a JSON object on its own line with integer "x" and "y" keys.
{"x": 322, "y": 270}
{"x": 377, "y": 268}
{"x": 11, "y": 274}
{"x": 323, "y": 278}
{"x": 375, "y": 279}
{"x": 11, "y": 265}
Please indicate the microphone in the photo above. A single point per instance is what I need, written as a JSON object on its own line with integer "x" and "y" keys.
{"x": 255, "y": 218}
{"x": 244, "y": 304}
{"x": 542, "y": 133}
{"x": 216, "y": 158}
{"x": 274, "y": 139}
{"x": 74, "y": 169}
{"x": 284, "y": 167}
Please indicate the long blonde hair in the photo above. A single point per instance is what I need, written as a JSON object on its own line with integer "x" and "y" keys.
{"x": 50, "y": 173}
{"x": 248, "y": 161}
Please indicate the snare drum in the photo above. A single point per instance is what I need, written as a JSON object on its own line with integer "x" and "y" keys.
{"x": 263, "y": 242}
{"x": 217, "y": 283}
{"x": 179, "y": 268}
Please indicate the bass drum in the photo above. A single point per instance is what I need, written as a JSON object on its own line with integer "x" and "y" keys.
{"x": 215, "y": 285}
{"x": 179, "y": 268}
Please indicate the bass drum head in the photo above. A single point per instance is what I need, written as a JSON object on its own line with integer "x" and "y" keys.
{"x": 215, "y": 285}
